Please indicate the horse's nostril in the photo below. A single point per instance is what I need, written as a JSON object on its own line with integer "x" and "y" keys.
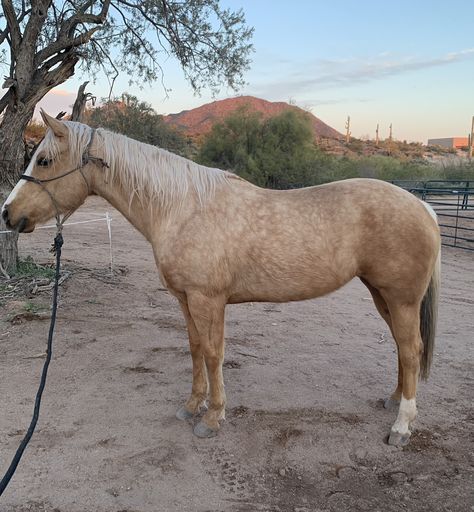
{"x": 5, "y": 214}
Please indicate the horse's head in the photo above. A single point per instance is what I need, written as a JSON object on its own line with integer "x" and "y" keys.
{"x": 47, "y": 189}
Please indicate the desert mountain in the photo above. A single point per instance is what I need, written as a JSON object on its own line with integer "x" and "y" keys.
{"x": 199, "y": 121}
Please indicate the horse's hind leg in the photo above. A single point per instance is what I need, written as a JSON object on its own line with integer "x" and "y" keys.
{"x": 406, "y": 331}
{"x": 200, "y": 384}
{"x": 384, "y": 312}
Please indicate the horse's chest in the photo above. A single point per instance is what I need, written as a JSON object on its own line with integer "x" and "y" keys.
{"x": 162, "y": 277}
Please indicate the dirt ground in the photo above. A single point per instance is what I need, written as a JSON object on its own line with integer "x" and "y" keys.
{"x": 305, "y": 429}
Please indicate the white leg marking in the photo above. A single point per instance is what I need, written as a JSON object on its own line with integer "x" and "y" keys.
{"x": 406, "y": 414}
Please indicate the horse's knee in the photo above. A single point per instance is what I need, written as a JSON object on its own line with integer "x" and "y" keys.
{"x": 213, "y": 360}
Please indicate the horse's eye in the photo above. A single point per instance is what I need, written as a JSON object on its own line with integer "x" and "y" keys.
{"x": 43, "y": 162}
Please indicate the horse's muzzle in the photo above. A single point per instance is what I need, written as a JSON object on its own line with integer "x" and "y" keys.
{"x": 20, "y": 226}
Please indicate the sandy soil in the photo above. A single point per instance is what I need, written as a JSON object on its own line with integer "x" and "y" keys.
{"x": 305, "y": 431}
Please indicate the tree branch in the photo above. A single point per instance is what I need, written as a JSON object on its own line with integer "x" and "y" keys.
{"x": 66, "y": 37}
{"x": 4, "y": 100}
{"x": 95, "y": 45}
{"x": 65, "y": 44}
{"x": 64, "y": 71}
{"x": 138, "y": 36}
{"x": 12, "y": 24}
{"x": 35, "y": 23}
{"x": 83, "y": 17}
{"x": 4, "y": 35}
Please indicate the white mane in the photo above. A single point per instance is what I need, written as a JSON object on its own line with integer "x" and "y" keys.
{"x": 146, "y": 171}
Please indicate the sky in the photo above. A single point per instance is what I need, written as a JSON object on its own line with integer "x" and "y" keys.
{"x": 405, "y": 63}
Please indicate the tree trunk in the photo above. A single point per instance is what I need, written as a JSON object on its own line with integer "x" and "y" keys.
{"x": 12, "y": 156}
{"x": 8, "y": 246}
{"x": 12, "y": 146}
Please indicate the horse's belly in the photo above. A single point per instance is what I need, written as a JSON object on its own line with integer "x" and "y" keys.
{"x": 287, "y": 290}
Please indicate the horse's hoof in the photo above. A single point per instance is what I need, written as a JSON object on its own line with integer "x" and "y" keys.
{"x": 183, "y": 414}
{"x": 203, "y": 431}
{"x": 391, "y": 403}
{"x": 398, "y": 439}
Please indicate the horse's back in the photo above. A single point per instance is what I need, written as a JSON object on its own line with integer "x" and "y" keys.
{"x": 334, "y": 232}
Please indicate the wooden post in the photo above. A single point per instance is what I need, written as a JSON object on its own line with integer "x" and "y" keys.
{"x": 8, "y": 244}
{"x": 348, "y": 129}
{"x": 80, "y": 103}
{"x": 377, "y": 136}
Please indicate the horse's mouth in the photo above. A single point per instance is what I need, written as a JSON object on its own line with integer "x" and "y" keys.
{"x": 23, "y": 227}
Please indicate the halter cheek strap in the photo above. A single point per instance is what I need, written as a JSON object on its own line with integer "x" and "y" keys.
{"x": 86, "y": 158}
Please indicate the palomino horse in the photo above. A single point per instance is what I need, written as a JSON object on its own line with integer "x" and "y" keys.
{"x": 217, "y": 240}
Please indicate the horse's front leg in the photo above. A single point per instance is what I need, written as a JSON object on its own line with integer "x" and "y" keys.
{"x": 207, "y": 314}
{"x": 200, "y": 386}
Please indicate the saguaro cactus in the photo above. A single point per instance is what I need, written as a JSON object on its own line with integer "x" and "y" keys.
{"x": 471, "y": 139}
{"x": 348, "y": 129}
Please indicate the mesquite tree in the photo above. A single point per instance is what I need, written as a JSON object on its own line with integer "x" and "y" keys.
{"x": 44, "y": 42}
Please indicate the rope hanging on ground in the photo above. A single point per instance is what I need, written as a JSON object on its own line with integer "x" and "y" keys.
{"x": 58, "y": 243}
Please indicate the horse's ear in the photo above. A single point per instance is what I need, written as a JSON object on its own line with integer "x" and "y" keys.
{"x": 58, "y": 127}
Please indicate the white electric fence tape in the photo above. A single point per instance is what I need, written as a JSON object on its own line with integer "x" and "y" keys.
{"x": 108, "y": 219}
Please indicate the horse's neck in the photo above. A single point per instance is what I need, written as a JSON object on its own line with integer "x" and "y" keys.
{"x": 150, "y": 212}
{"x": 138, "y": 213}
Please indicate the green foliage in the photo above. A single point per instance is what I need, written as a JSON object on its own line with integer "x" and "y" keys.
{"x": 277, "y": 152}
{"x": 280, "y": 152}
{"x": 28, "y": 268}
{"x": 211, "y": 43}
{"x": 138, "y": 120}
{"x": 32, "y": 307}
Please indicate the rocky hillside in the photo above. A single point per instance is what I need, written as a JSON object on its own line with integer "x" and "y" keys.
{"x": 199, "y": 121}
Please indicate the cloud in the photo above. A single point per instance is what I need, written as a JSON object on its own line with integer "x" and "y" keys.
{"x": 328, "y": 73}
{"x": 319, "y": 102}
{"x": 56, "y": 101}
{"x": 61, "y": 92}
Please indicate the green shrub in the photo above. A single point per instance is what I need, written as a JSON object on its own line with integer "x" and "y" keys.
{"x": 138, "y": 120}
{"x": 28, "y": 268}
{"x": 280, "y": 152}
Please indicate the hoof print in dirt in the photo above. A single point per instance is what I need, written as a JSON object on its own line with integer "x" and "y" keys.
{"x": 397, "y": 439}
{"x": 391, "y": 404}
{"x": 183, "y": 414}
{"x": 203, "y": 431}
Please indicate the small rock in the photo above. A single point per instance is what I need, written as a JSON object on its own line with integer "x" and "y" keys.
{"x": 360, "y": 454}
{"x": 421, "y": 477}
{"x": 344, "y": 471}
{"x": 399, "y": 477}
{"x": 282, "y": 472}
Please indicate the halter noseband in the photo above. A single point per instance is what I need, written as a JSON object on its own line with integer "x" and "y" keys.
{"x": 86, "y": 158}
